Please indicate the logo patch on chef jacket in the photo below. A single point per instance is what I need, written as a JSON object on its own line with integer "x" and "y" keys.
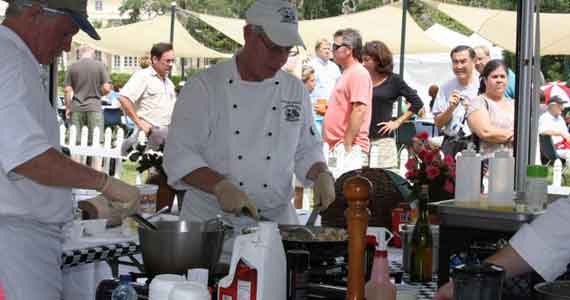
{"x": 291, "y": 111}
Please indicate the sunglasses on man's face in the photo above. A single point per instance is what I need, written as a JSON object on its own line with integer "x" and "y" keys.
{"x": 336, "y": 46}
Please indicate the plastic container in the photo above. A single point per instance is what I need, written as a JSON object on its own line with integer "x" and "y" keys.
{"x": 149, "y": 193}
{"x": 189, "y": 291}
{"x": 124, "y": 291}
{"x": 468, "y": 179}
{"x": 501, "y": 181}
{"x": 557, "y": 173}
{"x": 258, "y": 268}
{"x": 161, "y": 286}
{"x": 536, "y": 192}
{"x": 379, "y": 287}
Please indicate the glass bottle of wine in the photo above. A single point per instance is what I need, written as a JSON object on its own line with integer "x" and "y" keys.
{"x": 422, "y": 242}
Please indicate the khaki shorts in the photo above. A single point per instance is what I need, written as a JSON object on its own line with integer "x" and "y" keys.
{"x": 383, "y": 154}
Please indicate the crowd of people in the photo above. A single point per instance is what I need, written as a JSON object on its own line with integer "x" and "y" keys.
{"x": 237, "y": 134}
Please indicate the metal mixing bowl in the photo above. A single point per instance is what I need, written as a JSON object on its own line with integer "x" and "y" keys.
{"x": 555, "y": 290}
{"x": 179, "y": 245}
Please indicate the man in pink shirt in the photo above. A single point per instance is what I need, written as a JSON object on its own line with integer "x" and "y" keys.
{"x": 347, "y": 119}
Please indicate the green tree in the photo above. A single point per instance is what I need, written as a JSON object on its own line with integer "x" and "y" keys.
{"x": 136, "y": 8}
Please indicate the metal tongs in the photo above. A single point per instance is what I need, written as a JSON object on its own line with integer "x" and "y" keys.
{"x": 145, "y": 222}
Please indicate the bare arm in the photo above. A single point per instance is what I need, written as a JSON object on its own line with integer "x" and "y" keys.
{"x": 509, "y": 259}
{"x": 565, "y": 135}
{"x": 67, "y": 96}
{"x": 445, "y": 117}
{"x": 356, "y": 118}
{"x": 481, "y": 125}
{"x": 129, "y": 109}
{"x": 42, "y": 168}
{"x": 203, "y": 179}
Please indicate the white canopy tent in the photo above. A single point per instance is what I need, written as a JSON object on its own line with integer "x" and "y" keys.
{"x": 137, "y": 39}
{"x": 383, "y": 23}
{"x": 450, "y": 38}
{"x": 500, "y": 26}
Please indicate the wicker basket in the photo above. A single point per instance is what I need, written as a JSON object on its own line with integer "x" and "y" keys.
{"x": 385, "y": 197}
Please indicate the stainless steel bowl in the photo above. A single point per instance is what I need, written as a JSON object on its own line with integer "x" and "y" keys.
{"x": 555, "y": 290}
{"x": 179, "y": 245}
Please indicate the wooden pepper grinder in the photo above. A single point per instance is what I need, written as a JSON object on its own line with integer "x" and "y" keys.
{"x": 356, "y": 191}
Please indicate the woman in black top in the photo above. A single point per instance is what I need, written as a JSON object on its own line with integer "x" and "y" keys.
{"x": 377, "y": 59}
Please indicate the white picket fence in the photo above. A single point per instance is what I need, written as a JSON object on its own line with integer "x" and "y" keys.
{"x": 100, "y": 154}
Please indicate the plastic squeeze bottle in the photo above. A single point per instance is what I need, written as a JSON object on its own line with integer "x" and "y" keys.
{"x": 379, "y": 287}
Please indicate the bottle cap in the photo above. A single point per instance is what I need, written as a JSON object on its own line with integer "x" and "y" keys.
{"x": 536, "y": 171}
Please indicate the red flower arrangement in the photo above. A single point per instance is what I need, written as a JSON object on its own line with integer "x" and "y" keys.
{"x": 428, "y": 165}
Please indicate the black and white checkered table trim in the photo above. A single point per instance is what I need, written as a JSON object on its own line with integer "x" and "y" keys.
{"x": 427, "y": 289}
{"x": 74, "y": 258}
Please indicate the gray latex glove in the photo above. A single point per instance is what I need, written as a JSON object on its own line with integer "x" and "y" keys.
{"x": 117, "y": 190}
{"x": 233, "y": 200}
{"x": 323, "y": 190}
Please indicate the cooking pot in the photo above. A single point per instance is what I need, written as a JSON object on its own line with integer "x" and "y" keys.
{"x": 177, "y": 246}
{"x": 555, "y": 290}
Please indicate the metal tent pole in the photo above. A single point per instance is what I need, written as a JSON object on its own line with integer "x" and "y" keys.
{"x": 172, "y": 18}
{"x": 402, "y": 48}
{"x": 525, "y": 52}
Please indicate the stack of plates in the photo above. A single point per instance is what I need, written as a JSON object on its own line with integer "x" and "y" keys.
{"x": 189, "y": 290}
{"x": 162, "y": 285}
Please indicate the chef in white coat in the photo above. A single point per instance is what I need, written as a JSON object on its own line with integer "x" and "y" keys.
{"x": 35, "y": 178}
{"x": 242, "y": 128}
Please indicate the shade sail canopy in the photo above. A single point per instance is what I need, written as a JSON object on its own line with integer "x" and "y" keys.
{"x": 446, "y": 36}
{"x": 500, "y": 27}
{"x": 137, "y": 39}
{"x": 382, "y": 23}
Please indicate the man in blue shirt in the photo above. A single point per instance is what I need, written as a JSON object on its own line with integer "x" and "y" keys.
{"x": 326, "y": 75}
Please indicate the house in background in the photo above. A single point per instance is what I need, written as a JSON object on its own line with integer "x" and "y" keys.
{"x": 105, "y": 13}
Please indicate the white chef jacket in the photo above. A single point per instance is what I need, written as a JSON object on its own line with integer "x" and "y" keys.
{"x": 31, "y": 214}
{"x": 256, "y": 134}
{"x": 545, "y": 243}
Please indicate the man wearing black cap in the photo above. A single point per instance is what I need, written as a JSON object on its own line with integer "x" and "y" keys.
{"x": 35, "y": 178}
{"x": 552, "y": 123}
